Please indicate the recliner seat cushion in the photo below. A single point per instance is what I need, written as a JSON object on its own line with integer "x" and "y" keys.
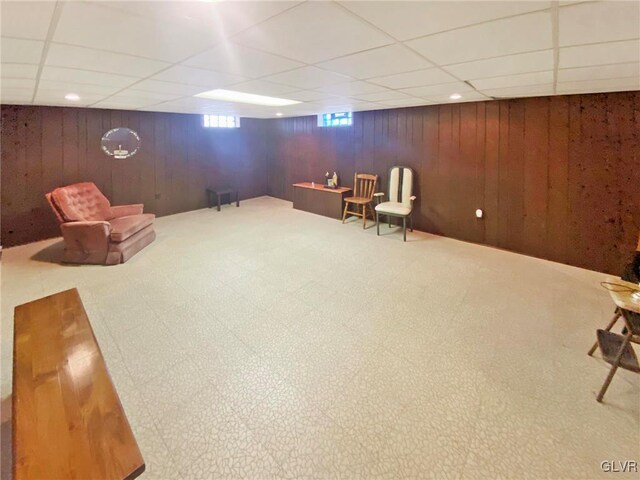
{"x": 81, "y": 202}
{"x": 393, "y": 208}
{"x": 123, "y": 227}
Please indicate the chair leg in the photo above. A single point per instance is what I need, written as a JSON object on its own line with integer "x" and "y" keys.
{"x": 218, "y": 202}
{"x": 608, "y": 328}
{"x": 344, "y": 214}
{"x": 404, "y": 228}
{"x": 614, "y": 367}
{"x": 364, "y": 216}
{"x": 377, "y": 223}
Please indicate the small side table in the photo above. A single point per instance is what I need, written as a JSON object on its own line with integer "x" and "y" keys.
{"x": 219, "y": 193}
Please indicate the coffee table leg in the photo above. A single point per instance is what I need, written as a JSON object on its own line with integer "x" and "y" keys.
{"x": 218, "y": 202}
{"x": 237, "y": 199}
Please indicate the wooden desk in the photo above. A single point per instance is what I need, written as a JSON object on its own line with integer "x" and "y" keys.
{"x": 319, "y": 200}
{"x": 68, "y": 422}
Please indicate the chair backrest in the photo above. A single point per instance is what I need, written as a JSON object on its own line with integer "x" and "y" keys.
{"x": 364, "y": 185}
{"x": 79, "y": 202}
{"x": 400, "y": 185}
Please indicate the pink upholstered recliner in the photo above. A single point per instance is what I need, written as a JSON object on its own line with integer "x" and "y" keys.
{"x": 94, "y": 231}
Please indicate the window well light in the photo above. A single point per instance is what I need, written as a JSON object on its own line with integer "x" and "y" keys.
{"x": 455, "y": 96}
{"x": 72, "y": 96}
{"x": 243, "y": 97}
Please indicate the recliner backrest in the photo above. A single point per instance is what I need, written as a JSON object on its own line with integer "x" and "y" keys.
{"x": 80, "y": 202}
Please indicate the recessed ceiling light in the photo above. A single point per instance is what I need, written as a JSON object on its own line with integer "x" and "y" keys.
{"x": 242, "y": 97}
{"x": 279, "y": 114}
{"x": 72, "y": 96}
{"x": 455, "y": 96}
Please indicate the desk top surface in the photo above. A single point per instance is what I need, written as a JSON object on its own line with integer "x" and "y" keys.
{"x": 623, "y": 298}
{"x": 68, "y": 421}
{"x": 319, "y": 186}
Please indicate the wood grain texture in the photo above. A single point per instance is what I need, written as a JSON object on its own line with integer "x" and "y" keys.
{"x": 557, "y": 177}
{"x": 47, "y": 147}
{"x": 68, "y": 421}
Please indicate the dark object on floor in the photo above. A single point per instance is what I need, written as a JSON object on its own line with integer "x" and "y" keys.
{"x": 211, "y": 194}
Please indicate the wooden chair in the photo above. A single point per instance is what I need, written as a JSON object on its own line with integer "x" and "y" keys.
{"x": 364, "y": 185}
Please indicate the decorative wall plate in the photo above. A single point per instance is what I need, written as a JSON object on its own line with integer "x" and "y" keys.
{"x": 120, "y": 142}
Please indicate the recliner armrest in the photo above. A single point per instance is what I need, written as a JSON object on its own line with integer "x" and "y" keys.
{"x": 86, "y": 236}
{"x": 126, "y": 210}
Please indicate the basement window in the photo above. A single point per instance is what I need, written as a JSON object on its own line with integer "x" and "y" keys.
{"x": 338, "y": 119}
{"x": 221, "y": 121}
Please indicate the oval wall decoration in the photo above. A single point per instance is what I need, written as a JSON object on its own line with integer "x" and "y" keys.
{"x": 120, "y": 143}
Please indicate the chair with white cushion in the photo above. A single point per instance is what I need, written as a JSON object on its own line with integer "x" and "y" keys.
{"x": 401, "y": 198}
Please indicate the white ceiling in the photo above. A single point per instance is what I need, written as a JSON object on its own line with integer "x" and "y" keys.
{"x": 331, "y": 56}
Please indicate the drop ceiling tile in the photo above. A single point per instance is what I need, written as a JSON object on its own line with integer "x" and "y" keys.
{"x": 13, "y": 50}
{"x": 18, "y": 70}
{"x": 148, "y": 96}
{"x": 18, "y": 83}
{"x": 600, "y": 54}
{"x": 383, "y": 95}
{"x": 240, "y": 60}
{"x": 591, "y": 86}
{"x": 387, "y": 60}
{"x": 522, "y": 79}
{"x": 351, "y": 88}
{"x": 262, "y": 87}
{"x": 313, "y": 32}
{"x": 502, "y": 37}
{"x": 26, "y": 19}
{"x": 405, "y": 102}
{"x": 620, "y": 70}
{"x": 419, "y": 78}
{"x": 99, "y": 26}
{"x": 507, "y": 65}
{"x": 228, "y": 17}
{"x": 308, "y": 78}
{"x": 197, "y": 76}
{"x": 61, "y": 88}
{"x": 306, "y": 95}
{"x": 471, "y": 96}
{"x": 121, "y": 102}
{"x": 15, "y": 96}
{"x": 156, "y": 86}
{"x": 437, "y": 90}
{"x": 595, "y": 22}
{"x": 70, "y": 56}
{"x": 520, "y": 91}
{"x": 405, "y": 20}
{"x": 44, "y": 97}
{"x": 73, "y": 75}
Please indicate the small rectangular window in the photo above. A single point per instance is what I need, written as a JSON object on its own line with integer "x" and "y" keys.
{"x": 220, "y": 121}
{"x": 338, "y": 119}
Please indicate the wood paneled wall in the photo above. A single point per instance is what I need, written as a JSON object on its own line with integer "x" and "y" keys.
{"x": 557, "y": 177}
{"x": 47, "y": 147}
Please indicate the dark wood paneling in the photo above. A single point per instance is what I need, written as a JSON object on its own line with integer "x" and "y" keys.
{"x": 557, "y": 177}
{"x": 47, "y": 147}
